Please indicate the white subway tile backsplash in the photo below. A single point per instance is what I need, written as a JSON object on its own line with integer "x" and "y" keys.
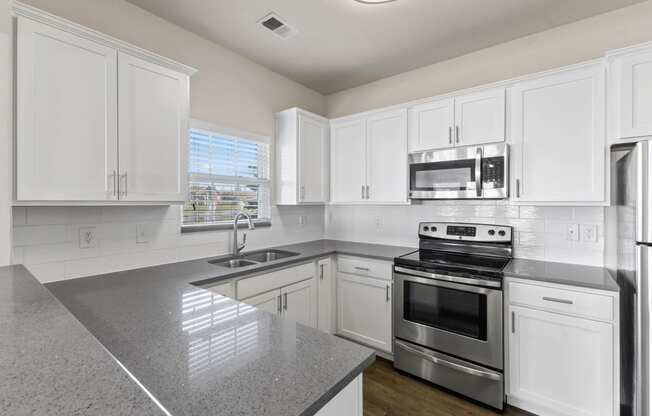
{"x": 46, "y": 236}
{"x": 40, "y": 234}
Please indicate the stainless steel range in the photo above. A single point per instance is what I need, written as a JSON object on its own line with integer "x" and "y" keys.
{"x": 448, "y": 308}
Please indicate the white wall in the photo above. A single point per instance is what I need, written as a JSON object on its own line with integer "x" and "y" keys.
{"x": 540, "y": 231}
{"x": 5, "y": 136}
{"x": 564, "y": 45}
{"x": 228, "y": 90}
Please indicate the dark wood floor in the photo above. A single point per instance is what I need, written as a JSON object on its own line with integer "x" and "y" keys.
{"x": 390, "y": 393}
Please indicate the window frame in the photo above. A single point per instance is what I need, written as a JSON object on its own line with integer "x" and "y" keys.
{"x": 212, "y": 129}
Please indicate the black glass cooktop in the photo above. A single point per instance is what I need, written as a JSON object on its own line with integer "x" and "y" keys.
{"x": 447, "y": 261}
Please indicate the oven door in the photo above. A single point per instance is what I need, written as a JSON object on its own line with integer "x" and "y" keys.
{"x": 458, "y": 319}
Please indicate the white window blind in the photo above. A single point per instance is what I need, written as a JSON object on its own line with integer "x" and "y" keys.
{"x": 226, "y": 174}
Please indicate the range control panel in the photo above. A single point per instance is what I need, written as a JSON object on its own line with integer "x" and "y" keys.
{"x": 466, "y": 232}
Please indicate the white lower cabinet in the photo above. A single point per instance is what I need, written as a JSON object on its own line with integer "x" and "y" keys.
{"x": 348, "y": 402}
{"x": 325, "y": 296}
{"x": 561, "y": 364}
{"x": 290, "y": 293}
{"x": 364, "y": 310}
{"x": 299, "y": 302}
{"x": 224, "y": 289}
{"x": 268, "y": 302}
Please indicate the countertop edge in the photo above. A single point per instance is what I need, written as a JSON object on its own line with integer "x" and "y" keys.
{"x": 338, "y": 387}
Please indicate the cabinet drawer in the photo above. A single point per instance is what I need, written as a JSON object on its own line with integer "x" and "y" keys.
{"x": 274, "y": 280}
{"x": 364, "y": 267}
{"x": 589, "y": 305}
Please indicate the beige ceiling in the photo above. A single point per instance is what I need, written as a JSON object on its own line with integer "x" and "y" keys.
{"x": 343, "y": 43}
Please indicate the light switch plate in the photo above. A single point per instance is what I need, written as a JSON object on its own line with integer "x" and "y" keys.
{"x": 87, "y": 237}
{"x": 573, "y": 232}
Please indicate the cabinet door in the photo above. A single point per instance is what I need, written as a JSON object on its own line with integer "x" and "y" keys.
{"x": 634, "y": 95}
{"x": 224, "y": 289}
{"x": 269, "y": 301}
{"x": 66, "y": 116}
{"x": 153, "y": 129}
{"x": 300, "y": 302}
{"x": 365, "y": 310}
{"x": 480, "y": 117}
{"x": 325, "y": 291}
{"x": 387, "y": 157}
{"x": 559, "y": 137}
{"x": 560, "y": 363}
{"x": 313, "y": 160}
{"x": 348, "y": 153}
{"x": 431, "y": 125}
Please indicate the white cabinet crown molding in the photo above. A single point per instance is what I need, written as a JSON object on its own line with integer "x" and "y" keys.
{"x": 33, "y": 13}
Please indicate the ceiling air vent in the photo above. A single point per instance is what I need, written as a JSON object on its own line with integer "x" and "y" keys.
{"x": 278, "y": 27}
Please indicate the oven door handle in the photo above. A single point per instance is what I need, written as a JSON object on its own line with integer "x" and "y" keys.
{"x": 478, "y": 172}
{"x": 452, "y": 366}
{"x": 452, "y": 279}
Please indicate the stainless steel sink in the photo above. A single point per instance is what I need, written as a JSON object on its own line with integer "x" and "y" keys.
{"x": 233, "y": 263}
{"x": 268, "y": 255}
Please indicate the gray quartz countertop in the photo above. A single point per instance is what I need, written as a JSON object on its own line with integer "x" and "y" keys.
{"x": 50, "y": 364}
{"x": 562, "y": 273}
{"x": 199, "y": 353}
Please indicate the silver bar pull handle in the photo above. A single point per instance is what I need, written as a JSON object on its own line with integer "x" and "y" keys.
{"x": 367, "y": 191}
{"x": 285, "y": 301}
{"x": 280, "y": 307}
{"x": 450, "y": 135}
{"x": 114, "y": 178}
{"x": 387, "y": 292}
{"x": 362, "y": 196}
{"x": 518, "y": 188}
{"x": 557, "y": 300}
{"x": 513, "y": 322}
{"x": 364, "y": 269}
{"x": 478, "y": 172}
{"x": 457, "y": 134}
{"x": 321, "y": 272}
{"x": 451, "y": 365}
{"x": 123, "y": 191}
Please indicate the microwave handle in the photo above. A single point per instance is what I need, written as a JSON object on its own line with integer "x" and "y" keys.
{"x": 478, "y": 172}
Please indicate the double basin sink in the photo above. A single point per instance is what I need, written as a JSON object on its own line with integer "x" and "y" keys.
{"x": 253, "y": 258}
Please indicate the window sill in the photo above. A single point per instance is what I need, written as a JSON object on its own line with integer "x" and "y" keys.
{"x": 220, "y": 227}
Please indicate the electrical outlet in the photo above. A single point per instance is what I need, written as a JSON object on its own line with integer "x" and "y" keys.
{"x": 141, "y": 234}
{"x": 573, "y": 232}
{"x": 379, "y": 223}
{"x": 87, "y": 237}
{"x": 589, "y": 233}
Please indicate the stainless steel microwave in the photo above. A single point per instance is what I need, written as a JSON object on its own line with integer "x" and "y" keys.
{"x": 473, "y": 172}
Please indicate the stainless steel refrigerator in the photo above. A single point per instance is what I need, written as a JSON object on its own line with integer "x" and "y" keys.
{"x": 629, "y": 257}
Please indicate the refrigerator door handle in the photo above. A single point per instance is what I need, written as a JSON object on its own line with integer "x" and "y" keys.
{"x": 642, "y": 343}
{"x": 643, "y": 192}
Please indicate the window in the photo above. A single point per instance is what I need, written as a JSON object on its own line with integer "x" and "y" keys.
{"x": 228, "y": 172}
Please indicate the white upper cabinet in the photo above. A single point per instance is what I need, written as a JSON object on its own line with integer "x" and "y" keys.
{"x": 302, "y": 150}
{"x": 558, "y": 135}
{"x": 480, "y": 117}
{"x": 348, "y": 158}
{"x": 631, "y": 77}
{"x": 369, "y": 159}
{"x": 387, "y": 157}
{"x": 153, "y": 113}
{"x": 431, "y": 125}
{"x": 66, "y": 116}
{"x": 466, "y": 120}
{"x": 77, "y": 92}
